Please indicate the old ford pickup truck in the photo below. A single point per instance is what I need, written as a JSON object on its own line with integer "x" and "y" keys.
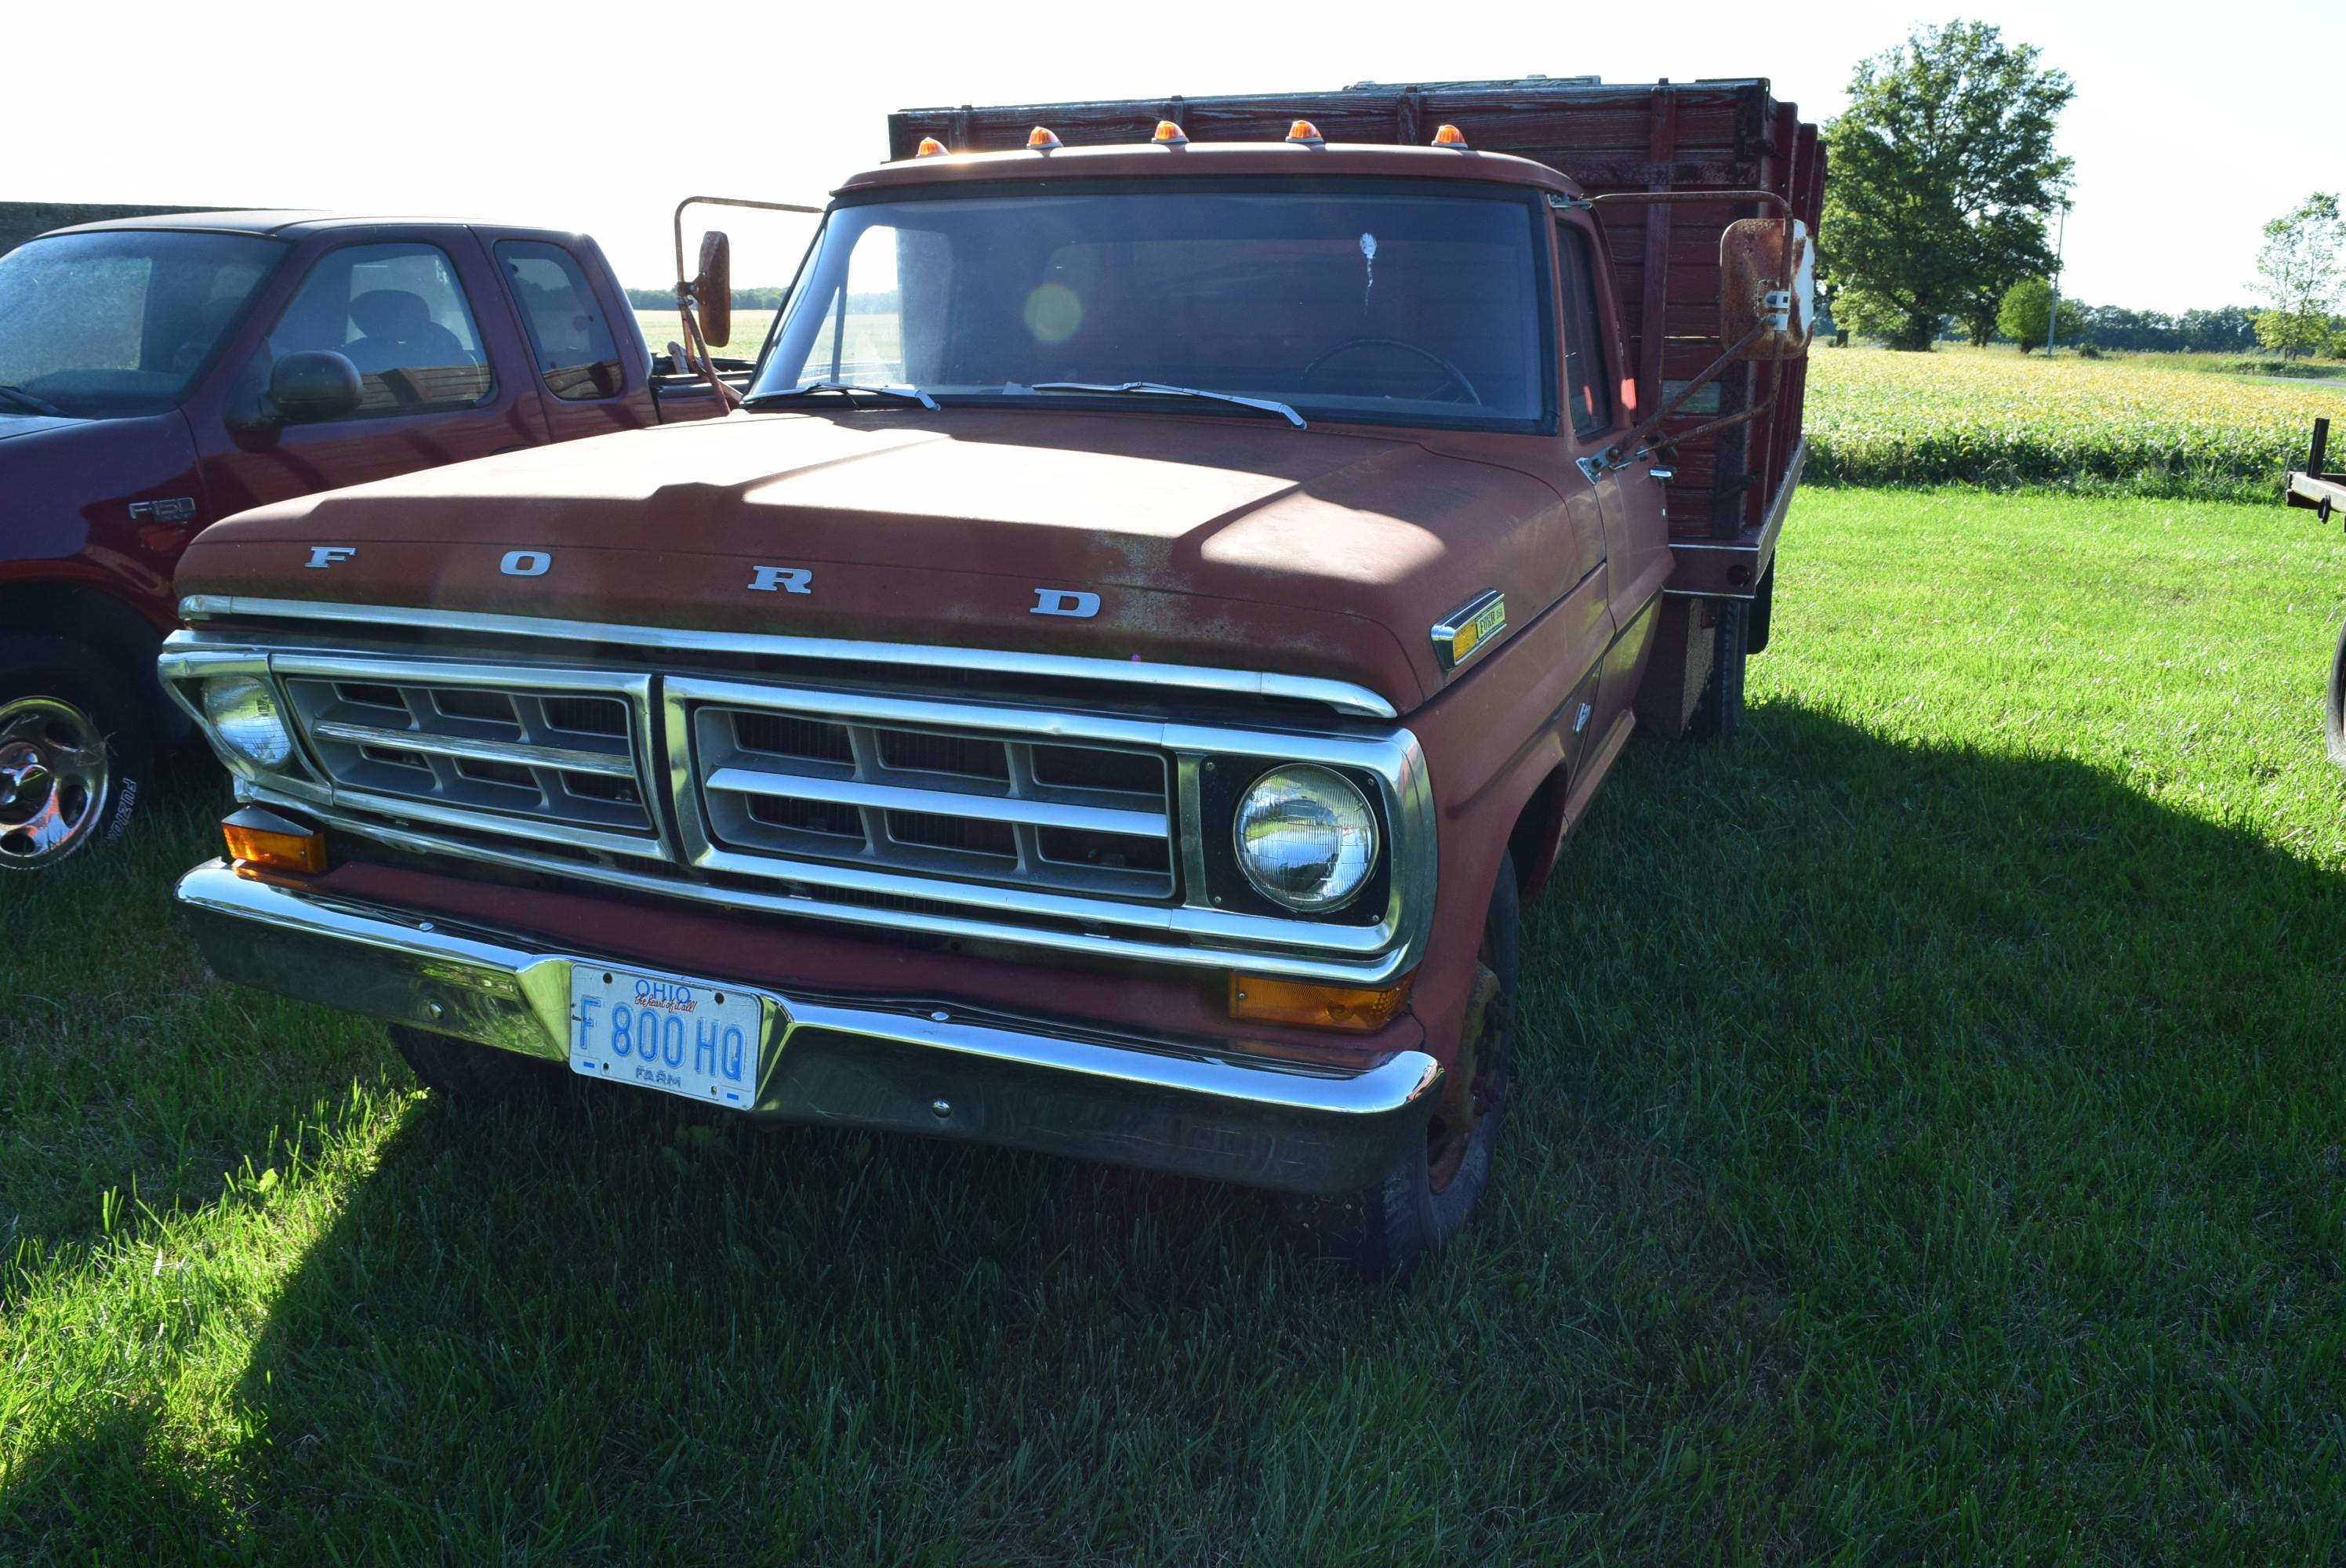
{"x": 1171, "y": 590}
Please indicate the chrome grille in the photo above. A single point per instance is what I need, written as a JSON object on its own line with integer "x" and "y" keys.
{"x": 800, "y": 776}
{"x": 463, "y": 740}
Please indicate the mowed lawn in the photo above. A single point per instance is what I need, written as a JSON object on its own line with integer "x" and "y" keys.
{"x": 1927, "y": 1148}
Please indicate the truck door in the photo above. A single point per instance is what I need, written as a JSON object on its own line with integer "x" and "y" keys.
{"x": 587, "y": 381}
{"x": 401, "y": 311}
{"x": 1636, "y": 526}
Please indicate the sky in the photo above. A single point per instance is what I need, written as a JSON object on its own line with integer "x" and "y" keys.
{"x": 2192, "y": 125}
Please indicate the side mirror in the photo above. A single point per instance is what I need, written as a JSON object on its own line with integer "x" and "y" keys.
{"x": 317, "y": 384}
{"x": 1762, "y": 287}
{"x": 712, "y": 290}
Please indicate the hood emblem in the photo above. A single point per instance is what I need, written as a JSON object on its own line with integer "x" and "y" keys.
{"x": 781, "y": 580}
{"x": 525, "y": 563}
{"x": 322, "y": 557}
{"x": 1073, "y": 602}
{"x": 1460, "y": 635}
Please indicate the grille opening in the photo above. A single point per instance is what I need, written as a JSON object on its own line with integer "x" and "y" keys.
{"x": 1088, "y": 768}
{"x": 366, "y": 695}
{"x": 503, "y": 773}
{"x": 786, "y": 735}
{"x": 917, "y": 751}
{"x": 1112, "y": 852}
{"x": 970, "y": 835}
{"x": 465, "y": 702}
{"x": 585, "y": 715}
{"x": 390, "y": 758}
{"x": 600, "y": 787}
{"x": 826, "y": 816}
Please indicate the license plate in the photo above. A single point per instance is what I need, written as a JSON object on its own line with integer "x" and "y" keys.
{"x": 662, "y": 1031}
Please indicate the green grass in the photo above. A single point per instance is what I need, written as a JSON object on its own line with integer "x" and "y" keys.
{"x": 1927, "y": 1148}
{"x": 2146, "y": 424}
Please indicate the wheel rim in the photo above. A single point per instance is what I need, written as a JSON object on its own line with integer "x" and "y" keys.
{"x": 1470, "y": 1091}
{"x": 53, "y": 775}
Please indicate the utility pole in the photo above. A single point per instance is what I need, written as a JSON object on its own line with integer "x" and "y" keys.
{"x": 2052, "y": 322}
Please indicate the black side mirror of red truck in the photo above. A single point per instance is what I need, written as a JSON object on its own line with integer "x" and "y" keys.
{"x": 313, "y": 385}
{"x": 712, "y": 290}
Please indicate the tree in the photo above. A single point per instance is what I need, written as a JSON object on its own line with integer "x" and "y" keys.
{"x": 2027, "y": 306}
{"x": 2298, "y": 264}
{"x": 1942, "y": 173}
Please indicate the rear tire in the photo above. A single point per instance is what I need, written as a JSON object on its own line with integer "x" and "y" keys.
{"x": 2333, "y": 713}
{"x": 470, "y": 1074}
{"x": 1385, "y": 1231}
{"x": 76, "y": 750}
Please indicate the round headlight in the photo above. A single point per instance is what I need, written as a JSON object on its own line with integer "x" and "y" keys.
{"x": 243, "y": 713}
{"x": 1306, "y": 838}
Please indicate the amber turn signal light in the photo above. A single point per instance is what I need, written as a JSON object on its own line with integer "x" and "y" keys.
{"x": 1170, "y": 134}
{"x": 1268, "y": 1001}
{"x": 931, "y": 148}
{"x": 1449, "y": 136}
{"x": 1307, "y": 133}
{"x": 1041, "y": 140}
{"x": 261, "y": 840}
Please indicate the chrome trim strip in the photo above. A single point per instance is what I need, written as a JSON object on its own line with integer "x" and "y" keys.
{"x": 514, "y": 752}
{"x": 906, "y": 1065}
{"x": 1343, "y": 696}
{"x": 946, "y": 803}
{"x": 1372, "y": 969}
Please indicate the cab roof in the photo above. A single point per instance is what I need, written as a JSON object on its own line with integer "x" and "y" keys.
{"x": 1141, "y": 160}
{"x": 284, "y": 223}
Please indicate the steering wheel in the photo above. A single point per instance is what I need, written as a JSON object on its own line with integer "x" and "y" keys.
{"x": 1453, "y": 375}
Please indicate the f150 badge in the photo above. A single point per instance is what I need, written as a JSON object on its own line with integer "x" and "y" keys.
{"x": 171, "y": 509}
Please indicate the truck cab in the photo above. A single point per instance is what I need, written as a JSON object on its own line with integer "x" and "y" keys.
{"x": 1157, "y": 615}
{"x": 159, "y": 373}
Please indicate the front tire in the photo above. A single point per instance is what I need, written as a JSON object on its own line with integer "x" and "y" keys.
{"x": 76, "y": 751}
{"x": 1385, "y": 1231}
{"x": 470, "y": 1074}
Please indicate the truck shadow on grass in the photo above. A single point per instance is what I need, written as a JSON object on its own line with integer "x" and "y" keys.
{"x": 1910, "y": 1145}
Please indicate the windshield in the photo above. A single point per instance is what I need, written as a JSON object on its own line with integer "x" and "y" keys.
{"x": 111, "y": 324}
{"x": 1352, "y": 303}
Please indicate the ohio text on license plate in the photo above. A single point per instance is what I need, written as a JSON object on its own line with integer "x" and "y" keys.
{"x": 684, "y": 1036}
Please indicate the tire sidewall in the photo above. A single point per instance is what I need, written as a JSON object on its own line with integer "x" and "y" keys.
{"x": 2334, "y": 711}
{"x": 1419, "y": 1221}
{"x": 69, "y": 672}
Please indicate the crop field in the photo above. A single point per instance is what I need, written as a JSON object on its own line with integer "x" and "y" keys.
{"x": 1984, "y": 1200}
{"x": 2154, "y": 425}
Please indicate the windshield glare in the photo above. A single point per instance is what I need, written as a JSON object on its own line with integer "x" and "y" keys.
{"x": 1360, "y": 304}
{"x": 112, "y": 324}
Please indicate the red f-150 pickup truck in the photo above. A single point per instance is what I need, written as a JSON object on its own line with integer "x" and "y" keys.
{"x": 1171, "y": 590}
{"x": 159, "y": 373}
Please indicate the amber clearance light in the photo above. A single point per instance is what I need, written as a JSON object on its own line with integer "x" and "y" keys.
{"x": 1268, "y": 1001}
{"x": 261, "y": 840}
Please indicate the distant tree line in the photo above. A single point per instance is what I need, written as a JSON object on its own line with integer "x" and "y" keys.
{"x": 743, "y": 298}
{"x": 2231, "y": 330}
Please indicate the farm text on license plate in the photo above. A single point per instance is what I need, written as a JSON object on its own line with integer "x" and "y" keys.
{"x": 657, "y": 1031}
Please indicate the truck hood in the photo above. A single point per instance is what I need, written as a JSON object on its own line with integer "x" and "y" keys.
{"x": 1206, "y": 541}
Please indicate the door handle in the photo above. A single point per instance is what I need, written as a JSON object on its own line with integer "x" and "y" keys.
{"x": 1661, "y": 476}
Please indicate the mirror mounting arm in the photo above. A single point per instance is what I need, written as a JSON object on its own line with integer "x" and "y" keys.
{"x": 687, "y": 304}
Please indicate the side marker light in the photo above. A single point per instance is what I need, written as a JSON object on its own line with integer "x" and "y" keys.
{"x": 1040, "y": 140}
{"x": 259, "y": 840}
{"x": 1170, "y": 134}
{"x": 1304, "y": 132}
{"x": 1450, "y": 136}
{"x": 932, "y": 147}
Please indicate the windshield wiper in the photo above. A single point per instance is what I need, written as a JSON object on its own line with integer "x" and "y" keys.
{"x": 19, "y": 396}
{"x": 910, "y": 394}
{"x": 1158, "y": 388}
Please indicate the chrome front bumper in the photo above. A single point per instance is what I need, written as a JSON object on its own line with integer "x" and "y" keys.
{"x": 1189, "y": 1108}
